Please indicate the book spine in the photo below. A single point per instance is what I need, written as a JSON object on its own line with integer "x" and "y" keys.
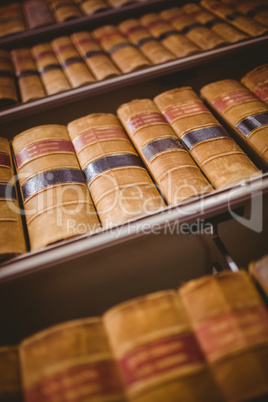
{"x": 192, "y": 29}
{"x": 71, "y": 62}
{"x": 11, "y": 19}
{"x": 71, "y": 361}
{"x": 89, "y": 7}
{"x": 119, "y": 184}
{"x": 96, "y": 59}
{"x": 50, "y": 71}
{"x": 8, "y": 93}
{"x": 10, "y": 381}
{"x": 29, "y": 81}
{"x": 121, "y": 51}
{"x": 120, "y": 3}
{"x": 171, "y": 166}
{"x": 37, "y": 14}
{"x": 63, "y": 10}
{"x": 54, "y": 191}
{"x": 257, "y": 10}
{"x": 243, "y": 111}
{"x": 12, "y": 241}
{"x": 169, "y": 37}
{"x": 259, "y": 272}
{"x": 212, "y": 148}
{"x": 257, "y": 81}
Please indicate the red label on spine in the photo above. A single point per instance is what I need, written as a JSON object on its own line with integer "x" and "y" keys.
{"x": 262, "y": 92}
{"x": 132, "y": 30}
{"x": 155, "y": 23}
{"x": 22, "y": 59}
{"x": 146, "y": 119}
{"x": 62, "y": 48}
{"x": 85, "y": 41}
{"x": 98, "y": 134}
{"x": 5, "y": 160}
{"x": 187, "y": 109}
{"x": 41, "y": 148}
{"x": 46, "y": 53}
{"x": 108, "y": 36}
{"x": 232, "y": 99}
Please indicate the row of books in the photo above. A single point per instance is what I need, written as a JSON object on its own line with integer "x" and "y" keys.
{"x": 208, "y": 341}
{"x": 82, "y": 58}
{"x": 155, "y": 152}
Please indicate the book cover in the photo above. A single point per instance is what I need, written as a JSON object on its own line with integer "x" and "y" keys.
{"x": 11, "y": 19}
{"x": 63, "y": 10}
{"x": 89, "y": 7}
{"x": 37, "y": 13}
{"x": 257, "y": 9}
{"x": 8, "y": 92}
{"x": 256, "y": 81}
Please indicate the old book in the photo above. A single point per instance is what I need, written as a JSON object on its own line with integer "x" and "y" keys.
{"x": 96, "y": 59}
{"x": 119, "y": 184}
{"x": 257, "y": 81}
{"x": 11, "y": 19}
{"x": 192, "y": 29}
{"x": 259, "y": 271}
{"x": 244, "y": 113}
{"x": 54, "y": 192}
{"x": 10, "y": 382}
{"x": 70, "y": 362}
{"x": 220, "y": 27}
{"x": 63, "y": 10}
{"x": 171, "y": 166}
{"x": 231, "y": 324}
{"x": 150, "y": 46}
{"x": 120, "y": 3}
{"x": 72, "y": 63}
{"x": 8, "y": 92}
{"x": 158, "y": 355}
{"x": 12, "y": 241}
{"x": 257, "y": 9}
{"x": 91, "y": 6}
{"x": 37, "y": 13}
{"x": 121, "y": 51}
{"x": 30, "y": 84}
{"x": 176, "y": 43}
{"x": 229, "y": 14}
{"x": 50, "y": 71}
{"x": 216, "y": 153}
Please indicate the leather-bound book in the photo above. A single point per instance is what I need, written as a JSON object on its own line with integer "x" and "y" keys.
{"x": 10, "y": 382}
{"x": 169, "y": 163}
{"x": 70, "y": 362}
{"x": 37, "y": 13}
{"x": 257, "y": 9}
{"x": 150, "y": 46}
{"x": 259, "y": 271}
{"x": 216, "y": 153}
{"x": 121, "y": 51}
{"x": 202, "y": 36}
{"x": 120, "y": 3}
{"x": 217, "y": 25}
{"x": 8, "y": 92}
{"x": 89, "y": 7}
{"x": 72, "y": 63}
{"x": 176, "y": 43}
{"x": 257, "y": 81}
{"x": 231, "y": 324}
{"x": 96, "y": 59}
{"x": 119, "y": 184}
{"x": 54, "y": 192}
{"x": 243, "y": 22}
{"x": 244, "y": 113}
{"x": 11, "y": 19}
{"x": 12, "y": 241}
{"x": 63, "y": 10}
{"x": 50, "y": 71}
{"x": 157, "y": 352}
{"x": 30, "y": 84}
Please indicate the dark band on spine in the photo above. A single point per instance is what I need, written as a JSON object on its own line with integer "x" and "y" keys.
{"x": 7, "y": 191}
{"x": 143, "y": 41}
{"x": 194, "y": 137}
{"x": 190, "y": 27}
{"x": 119, "y": 46}
{"x": 27, "y": 73}
{"x": 210, "y": 24}
{"x": 8, "y": 74}
{"x": 250, "y": 123}
{"x": 159, "y": 146}
{"x": 93, "y": 53}
{"x": 50, "y": 67}
{"x": 233, "y": 16}
{"x": 72, "y": 60}
{"x": 262, "y": 7}
{"x": 167, "y": 34}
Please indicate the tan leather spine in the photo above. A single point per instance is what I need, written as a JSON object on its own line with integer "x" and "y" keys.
{"x": 10, "y": 382}
{"x": 244, "y": 113}
{"x": 11, "y": 19}
{"x": 89, "y": 7}
{"x": 96, "y": 59}
{"x": 259, "y": 271}
{"x": 176, "y": 43}
{"x": 119, "y": 184}
{"x": 257, "y": 81}
{"x": 8, "y": 92}
{"x": 171, "y": 166}
{"x": 120, "y": 3}
{"x": 37, "y": 13}
{"x": 63, "y": 10}
{"x": 216, "y": 153}
{"x": 257, "y": 9}
{"x": 55, "y": 196}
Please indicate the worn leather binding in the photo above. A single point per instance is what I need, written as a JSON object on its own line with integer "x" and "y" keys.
{"x": 119, "y": 184}
{"x": 147, "y": 44}
{"x": 70, "y": 362}
{"x": 244, "y": 23}
{"x": 54, "y": 191}
{"x": 257, "y": 9}
{"x": 71, "y": 62}
{"x": 121, "y": 51}
{"x": 176, "y": 43}
{"x": 220, "y": 27}
{"x": 192, "y": 29}
{"x": 11, "y": 19}
{"x": 231, "y": 325}
{"x": 157, "y": 352}
{"x": 257, "y": 81}
{"x": 63, "y": 10}
{"x": 120, "y": 3}
{"x": 259, "y": 271}
{"x": 50, "y": 71}
{"x": 10, "y": 382}
{"x": 216, "y": 153}
{"x": 96, "y": 59}
{"x": 29, "y": 81}
{"x": 171, "y": 166}
{"x": 244, "y": 113}
{"x": 37, "y": 13}
{"x": 91, "y": 6}
{"x": 12, "y": 241}
{"x": 8, "y": 92}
